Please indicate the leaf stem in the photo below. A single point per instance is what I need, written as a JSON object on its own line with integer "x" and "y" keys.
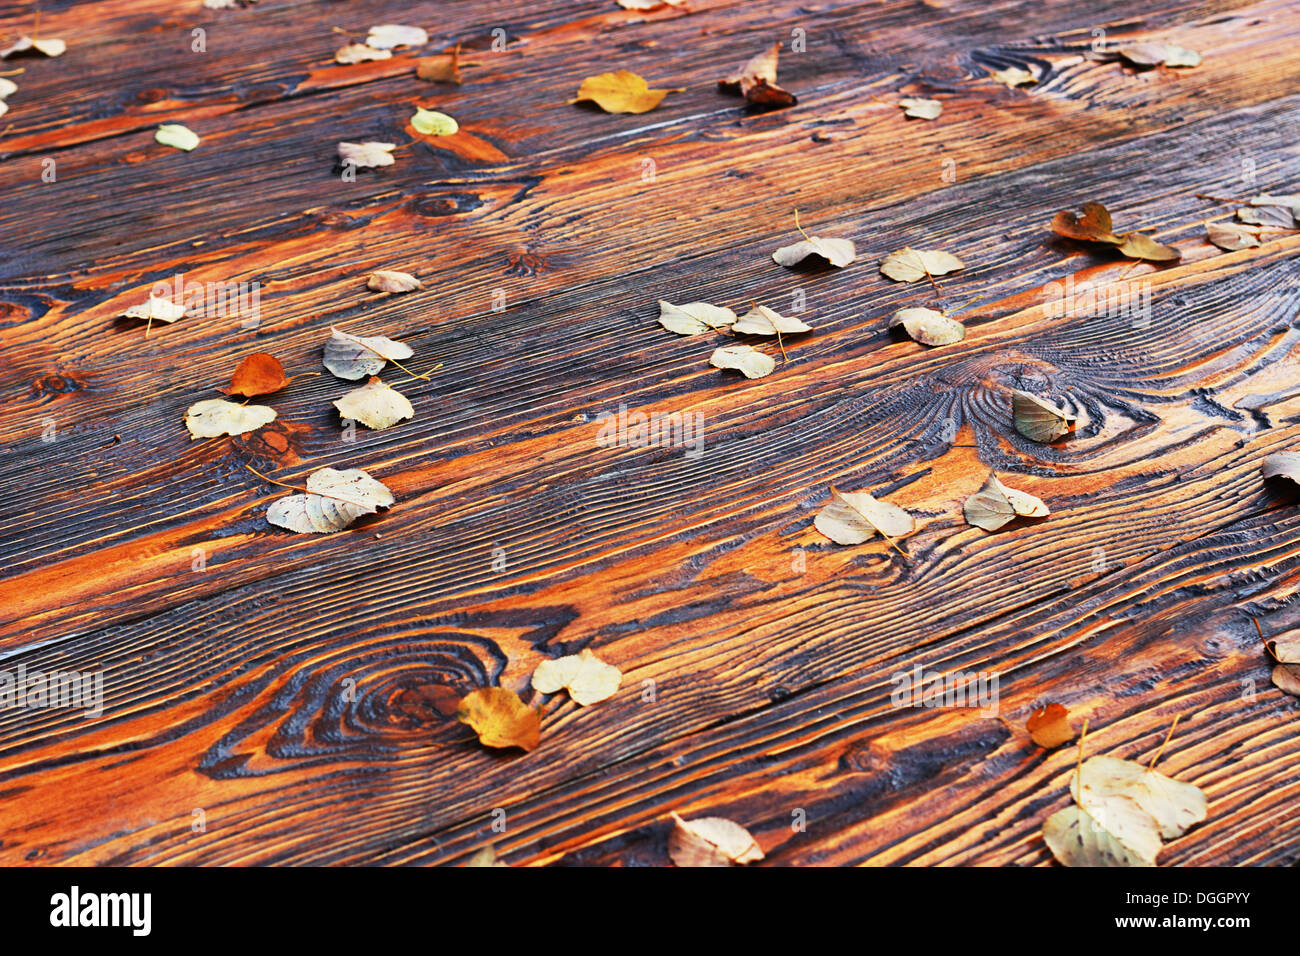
{"x": 1160, "y": 752}
{"x": 318, "y": 494}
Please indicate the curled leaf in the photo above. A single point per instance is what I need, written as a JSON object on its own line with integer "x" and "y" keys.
{"x": 1049, "y": 726}
{"x": 176, "y": 136}
{"x": 756, "y": 81}
{"x": 385, "y": 280}
{"x": 912, "y": 265}
{"x": 46, "y": 46}
{"x": 694, "y": 318}
{"x": 500, "y": 718}
{"x": 920, "y": 108}
{"x": 853, "y": 517}
{"x": 258, "y": 374}
{"x": 1153, "y": 54}
{"x": 375, "y": 405}
{"x": 7, "y": 87}
{"x": 995, "y": 505}
{"x": 1286, "y": 678}
{"x": 745, "y": 359}
{"x": 334, "y": 500}
{"x": 587, "y": 678}
{"x": 1283, "y": 464}
{"x": 1230, "y": 237}
{"x": 1093, "y": 226}
{"x": 442, "y": 68}
{"x": 389, "y": 35}
{"x": 432, "y": 123}
{"x": 711, "y": 841}
{"x": 216, "y": 416}
{"x": 1037, "y": 418}
{"x": 760, "y": 320}
{"x": 928, "y": 326}
{"x": 838, "y": 252}
{"x": 620, "y": 92}
{"x": 366, "y": 155}
{"x": 1261, "y": 215}
{"x": 1138, "y": 246}
{"x": 353, "y": 357}
{"x": 359, "y": 53}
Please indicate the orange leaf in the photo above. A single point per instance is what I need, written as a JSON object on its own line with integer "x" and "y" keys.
{"x": 1050, "y": 726}
{"x": 258, "y": 374}
{"x": 500, "y": 718}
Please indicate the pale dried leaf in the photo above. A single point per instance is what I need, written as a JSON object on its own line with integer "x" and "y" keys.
{"x": 47, "y": 46}
{"x": 7, "y": 87}
{"x": 1286, "y": 678}
{"x": 694, "y": 318}
{"x": 359, "y": 53}
{"x": 1037, "y": 418}
{"x": 1230, "y": 237}
{"x": 354, "y": 357}
{"x": 176, "y": 136}
{"x": 711, "y": 841}
{"x": 911, "y": 265}
{"x": 920, "y": 108}
{"x": 1280, "y": 216}
{"x": 385, "y": 280}
{"x": 375, "y": 405}
{"x": 838, "y": 252}
{"x": 852, "y": 517}
{"x": 995, "y": 505}
{"x": 366, "y": 155}
{"x": 928, "y": 326}
{"x": 335, "y": 499}
{"x": 1014, "y": 76}
{"x": 744, "y": 358}
{"x": 216, "y": 416}
{"x": 155, "y": 310}
{"x": 1155, "y": 53}
{"x": 587, "y": 678}
{"x": 1078, "y": 839}
{"x": 1282, "y": 464}
{"x": 760, "y": 320}
{"x": 1174, "y": 806}
{"x": 386, "y": 36}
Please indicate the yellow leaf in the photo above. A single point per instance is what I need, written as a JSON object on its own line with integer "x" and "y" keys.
{"x": 500, "y": 718}
{"x": 620, "y": 92}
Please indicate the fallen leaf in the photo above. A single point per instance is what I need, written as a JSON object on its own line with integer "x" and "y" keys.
{"x": 1174, "y": 806}
{"x": 1290, "y": 200}
{"x": 500, "y": 718}
{"x": 216, "y": 416}
{"x": 1138, "y": 246}
{"x": 1153, "y": 54}
{"x": 756, "y": 81}
{"x": 156, "y": 310}
{"x": 1049, "y": 726}
{"x": 1014, "y": 76}
{"x": 1230, "y": 237}
{"x": 375, "y": 405}
{"x": 442, "y": 68}
{"x": 1285, "y": 649}
{"x": 744, "y": 358}
{"x": 333, "y": 500}
{"x": 852, "y": 517}
{"x": 1280, "y": 216}
{"x": 176, "y": 136}
{"x": 928, "y": 326}
{"x": 1037, "y": 418}
{"x": 620, "y": 92}
{"x": 385, "y": 280}
{"x": 49, "y": 47}
{"x": 649, "y": 4}
{"x": 258, "y": 374}
{"x": 366, "y": 155}
{"x": 1286, "y": 678}
{"x": 995, "y": 505}
{"x": 359, "y": 53}
{"x": 711, "y": 841}
{"x": 353, "y": 357}
{"x": 7, "y": 87}
{"x": 1093, "y": 226}
{"x": 760, "y": 320}
{"x": 694, "y": 318}
{"x": 485, "y": 857}
{"x": 1076, "y": 838}
{"x": 433, "y": 123}
{"x": 587, "y": 678}
{"x": 1283, "y": 464}
{"x": 838, "y": 252}
{"x": 920, "y": 108}
{"x": 389, "y": 35}
{"x": 911, "y": 265}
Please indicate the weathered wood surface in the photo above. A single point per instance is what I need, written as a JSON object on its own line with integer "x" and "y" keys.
{"x": 298, "y": 689}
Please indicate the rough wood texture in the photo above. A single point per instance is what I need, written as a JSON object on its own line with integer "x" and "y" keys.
{"x": 298, "y": 689}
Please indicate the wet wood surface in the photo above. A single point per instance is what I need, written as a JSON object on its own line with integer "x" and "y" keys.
{"x": 279, "y": 698}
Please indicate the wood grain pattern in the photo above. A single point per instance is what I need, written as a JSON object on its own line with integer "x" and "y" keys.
{"x": 300, "y": 690}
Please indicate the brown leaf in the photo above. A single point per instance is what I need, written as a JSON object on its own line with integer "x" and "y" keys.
{"x": 258, "y": 374}
{"x": 620, "y": 92}
{"x": 711, "y": 841}
{"x": 442, "y": 68}
{"x": 1138, "y": 246}
{"x": 1093, "y": 226}
{"x": 500, "y": 718}
{"x": 385, "y": 280}
{"x": 756, "y": 81}
{"x": 1049, "y": 726}
{"x": 1230, "y": 237}
{"x": 1286, "y": 677}
{"x": 994, "y": 505}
